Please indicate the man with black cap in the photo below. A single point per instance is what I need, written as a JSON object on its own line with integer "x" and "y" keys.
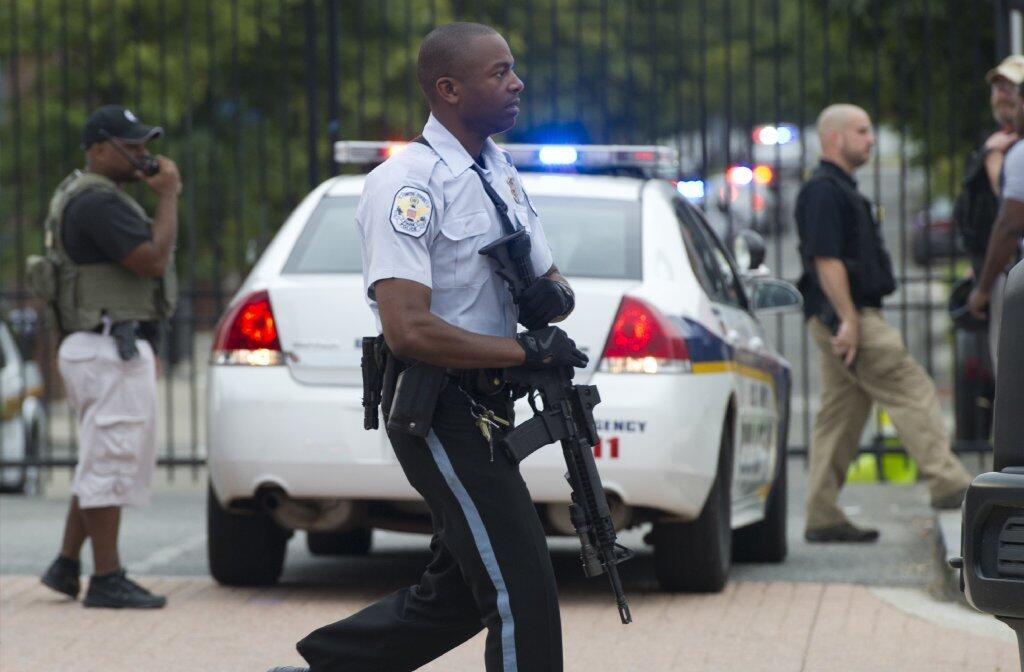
{"x": 108, "y": 277}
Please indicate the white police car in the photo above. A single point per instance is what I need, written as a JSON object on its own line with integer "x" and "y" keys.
{"x": 694, "y": 401}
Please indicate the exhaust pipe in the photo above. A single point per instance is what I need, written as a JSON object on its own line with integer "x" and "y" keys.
{"x": 308, "y": 514}
{"x": 270, "y": 499}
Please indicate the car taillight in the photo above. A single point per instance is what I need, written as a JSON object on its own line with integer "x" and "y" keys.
{"x": 642, "y": 340}
{"x": 247, "y": 334}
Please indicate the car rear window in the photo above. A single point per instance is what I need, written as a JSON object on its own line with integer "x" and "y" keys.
{"x": 329, "y": 243}
{"x": 592, "y": 237}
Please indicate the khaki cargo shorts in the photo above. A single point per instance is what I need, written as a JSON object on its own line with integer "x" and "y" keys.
{"x": 115, "y": 410}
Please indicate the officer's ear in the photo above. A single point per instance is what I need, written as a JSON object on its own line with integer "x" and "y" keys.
{"x": 447, "y": 90}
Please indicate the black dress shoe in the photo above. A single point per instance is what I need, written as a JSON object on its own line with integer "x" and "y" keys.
{"x": 117, "y": 591}
{"x": 843, "y": 532}
{"x": 62, "y": 576}
{"x": 287, "y": 668}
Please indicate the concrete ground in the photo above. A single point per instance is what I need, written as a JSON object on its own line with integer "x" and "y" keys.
{"x": 751, "y": 626}
{"x": 828, "y": 607}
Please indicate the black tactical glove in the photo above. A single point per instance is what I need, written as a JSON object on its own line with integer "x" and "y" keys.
{"x": 543, "y": 301}
{"x": 550, "y": 347}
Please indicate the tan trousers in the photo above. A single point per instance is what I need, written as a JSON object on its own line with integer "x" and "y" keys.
{"x": 883, "y": 373}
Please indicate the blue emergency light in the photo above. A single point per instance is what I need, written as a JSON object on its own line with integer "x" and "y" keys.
{"x": 691, "y": 190}
{"x": 558, "y": 155}
{"x": 783, "y": 134}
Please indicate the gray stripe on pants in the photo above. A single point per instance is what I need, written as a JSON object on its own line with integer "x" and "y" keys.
{"x": 483, "y": 545}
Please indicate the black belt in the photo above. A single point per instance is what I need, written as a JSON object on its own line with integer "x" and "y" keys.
{"x": 486, "y": 382}
{"x": 98, "y": 329}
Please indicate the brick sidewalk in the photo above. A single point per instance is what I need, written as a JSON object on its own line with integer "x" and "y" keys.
{"x": 750, "y": 627}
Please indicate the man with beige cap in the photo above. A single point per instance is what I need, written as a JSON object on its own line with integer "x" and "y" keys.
{"x": 847, "y": 273}
{"x": 1004, "y": 162}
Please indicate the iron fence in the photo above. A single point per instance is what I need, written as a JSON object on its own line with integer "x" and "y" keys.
{"x": 252, "y": 94}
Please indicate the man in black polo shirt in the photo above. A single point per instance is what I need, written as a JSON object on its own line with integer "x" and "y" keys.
{"x": 847, "y": 273}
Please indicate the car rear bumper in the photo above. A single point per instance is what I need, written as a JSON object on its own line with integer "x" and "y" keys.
{"x": 660, "y": 437}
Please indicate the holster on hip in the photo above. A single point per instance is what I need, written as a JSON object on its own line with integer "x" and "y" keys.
{"x": 415, "y": 397}
{"x": 124, "y": 339}
{"x": 373, "y": 364}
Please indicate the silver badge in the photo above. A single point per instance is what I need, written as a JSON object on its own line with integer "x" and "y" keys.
{"x": 513, "y": 186}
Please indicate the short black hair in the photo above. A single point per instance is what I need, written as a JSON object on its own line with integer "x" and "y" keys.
{"x": 443, "y": 51}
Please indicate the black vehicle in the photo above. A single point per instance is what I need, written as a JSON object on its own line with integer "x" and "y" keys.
{"x": 992, "y": 566}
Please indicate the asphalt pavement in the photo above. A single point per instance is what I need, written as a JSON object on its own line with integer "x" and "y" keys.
{"x": 828, "y": 607}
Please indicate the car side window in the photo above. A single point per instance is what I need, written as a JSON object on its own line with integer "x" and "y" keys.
{"x": 708, "y": 258}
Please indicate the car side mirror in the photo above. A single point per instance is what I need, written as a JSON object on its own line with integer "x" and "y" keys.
{"x": 771, "y": 295}
{"x": 748, "y": 250}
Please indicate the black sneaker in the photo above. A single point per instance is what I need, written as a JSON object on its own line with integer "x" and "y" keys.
{"x": 62, "y": 576}
{"x": 117, "y": 591}
{"x": 843, "y": 532}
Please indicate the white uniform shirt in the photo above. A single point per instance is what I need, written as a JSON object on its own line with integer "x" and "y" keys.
{"x": 424, "y": 215}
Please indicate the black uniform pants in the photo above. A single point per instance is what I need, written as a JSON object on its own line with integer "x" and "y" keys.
{"x": 490, "y": 568}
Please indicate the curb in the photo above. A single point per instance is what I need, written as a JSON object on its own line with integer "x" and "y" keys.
{"x": 947, "y": 542}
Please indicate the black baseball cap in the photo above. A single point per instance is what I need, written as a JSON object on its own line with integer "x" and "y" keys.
{"x": 115, "y": 121}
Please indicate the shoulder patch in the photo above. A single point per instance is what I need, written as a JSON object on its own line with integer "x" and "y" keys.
{"x": 411, "y": 211}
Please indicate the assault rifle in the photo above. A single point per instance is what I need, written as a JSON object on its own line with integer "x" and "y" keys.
{"x": 567, "y": 416}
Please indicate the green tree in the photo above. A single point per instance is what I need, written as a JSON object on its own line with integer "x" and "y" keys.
{"x": 229, "y": 82}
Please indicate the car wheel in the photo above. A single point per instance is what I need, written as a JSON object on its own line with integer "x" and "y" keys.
{"x": 353, "y": 542}
{"x": 971, "y": 393}
{"x": 695, "y": 556}
{"x": 28, "y": 476}
{"x": 765, "y": 541}
{"x": 244, "y": 548}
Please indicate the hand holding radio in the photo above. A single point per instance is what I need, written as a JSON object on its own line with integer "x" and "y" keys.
{"x": 165, "y": 180}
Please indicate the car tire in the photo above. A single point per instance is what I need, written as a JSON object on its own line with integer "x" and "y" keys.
{"x": 244, "y": 548}
{"x": 695, "y": 556}
{"x": 353, "y": 542}
{"x": 28, "y": 478}
{"x": 765, "y": 540}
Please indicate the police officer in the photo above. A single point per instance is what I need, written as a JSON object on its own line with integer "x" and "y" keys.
{"x": 108, "y": 274}
{"x": 847, "y": 273}
{"x": 423, "y": 217}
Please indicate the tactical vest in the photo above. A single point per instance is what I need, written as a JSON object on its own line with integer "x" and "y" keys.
{"x": 975, "y": 209}
{"x": 83, "y": 293}
{"x": 869, "y": 266}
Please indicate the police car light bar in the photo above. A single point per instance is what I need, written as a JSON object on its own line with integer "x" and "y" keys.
{"x": 366, "y": 151}
{"x": 782, "y": 134}
{"x": 591, "y": 156}
{"x": 527, "y": 156}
